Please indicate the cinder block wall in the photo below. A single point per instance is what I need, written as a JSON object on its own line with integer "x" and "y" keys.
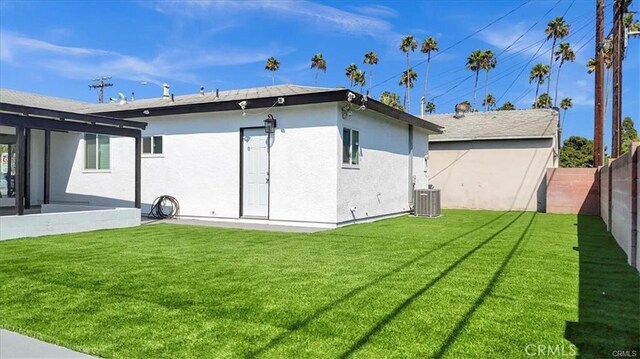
{"x": 619, "y": 204}
{"x": 573, "y": 190}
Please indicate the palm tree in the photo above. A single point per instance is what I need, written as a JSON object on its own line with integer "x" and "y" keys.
{"x": 359, "y": 78}
{"x": 428, "y": 45}
{"x": 565, "y": 104}
{"x": 538, "y": 73}
{"x": 407, "y": 45}
{"x": 371, "y": 59}
{"x": 556, "y": 29}
{"x": 630, "y": 23}
{"x": 591, "y": 65}
{"x": 474, "y": 63}
{"x": 407, "y": 80}
{"x": 272, "y": 65}
{"x": 430, "y": 107}
{"x": 507, "y": 106}
{"x": 391, "y": 99}
{"x": 350, "y": 72}
{"x": 318, "y": 62}
{"x": 489, "y": 62}
{"x": 489, "y": 101}
{"x": 544, "y": 101}
{"x": 564, "y": 53}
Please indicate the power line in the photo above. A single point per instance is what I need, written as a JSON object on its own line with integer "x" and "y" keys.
{"x": 518, "y": 39}
{"x": 537, "y": 54}
{"x": 455, "y": 44}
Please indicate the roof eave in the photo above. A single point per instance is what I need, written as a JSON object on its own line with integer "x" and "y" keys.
{"x": 435, "y": 139}
{"x": 338, "y": 95}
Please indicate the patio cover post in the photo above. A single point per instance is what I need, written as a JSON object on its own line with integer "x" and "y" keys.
{"x": 47, "y": 166}
{"x": 19, "y": 176}
{"x": 138, "y": 160}
{"x": 27, "y": 168}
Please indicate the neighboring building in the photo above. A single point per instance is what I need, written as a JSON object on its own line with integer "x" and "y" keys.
{"x": 333, "y": 157}
{"x": 494, "y": 160}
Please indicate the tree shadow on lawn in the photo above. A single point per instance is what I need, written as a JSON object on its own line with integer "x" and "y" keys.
{"x": 463, "y": 322}
{"x": 329, "y": 306}
{"x": 609, "y": 296}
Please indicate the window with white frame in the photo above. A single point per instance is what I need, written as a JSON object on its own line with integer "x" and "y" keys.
{"x": 97, "y": 152}
{"x": 350, "y": 146}
{"x": 152, "y": 145}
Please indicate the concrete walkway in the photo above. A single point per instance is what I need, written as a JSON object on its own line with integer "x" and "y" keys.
{"x": 14, "y": 345}
{"x": 248, "y": 224}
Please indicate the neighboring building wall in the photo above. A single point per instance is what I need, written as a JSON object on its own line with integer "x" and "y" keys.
{"x": 621, "y": 208}
{"x": 573, "y": 190}
{"x": 492, "y": 174}
{"x": 200, "y": 165}
{"x": 380, "y": 184}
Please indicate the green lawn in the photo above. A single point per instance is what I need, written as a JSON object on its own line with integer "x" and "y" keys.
{"x": 471, "y": 283}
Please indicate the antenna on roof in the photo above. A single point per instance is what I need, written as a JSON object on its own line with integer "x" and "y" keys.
{"x": 100, "y": 84}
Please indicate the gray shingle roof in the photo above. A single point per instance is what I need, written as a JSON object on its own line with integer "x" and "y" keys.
{"x": 209, "y": 96}
{"x": 534, "y": 123}
{"x": 35, "y": 100}
{"x": 56, "y": 103}
{"x": 198, "y": 102}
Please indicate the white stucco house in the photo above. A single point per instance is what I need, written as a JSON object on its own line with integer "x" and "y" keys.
{"x": 494, "y": 160}
{"x": 282, "y": 154}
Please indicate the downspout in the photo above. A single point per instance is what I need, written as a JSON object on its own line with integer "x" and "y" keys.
{"x": 410, "y": 180}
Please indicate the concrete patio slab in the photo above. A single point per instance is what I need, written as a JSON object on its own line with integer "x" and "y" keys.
{"x": 260, "y": 226}
{"x": 14, "y": 346}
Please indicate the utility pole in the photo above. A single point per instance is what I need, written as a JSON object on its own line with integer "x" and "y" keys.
{"x": 100, "y": 84}
{"x": 598, "y": 147}
{"x": 619, "y": 8}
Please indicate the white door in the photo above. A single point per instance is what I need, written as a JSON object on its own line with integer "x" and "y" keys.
{"x": 255, "y": 173}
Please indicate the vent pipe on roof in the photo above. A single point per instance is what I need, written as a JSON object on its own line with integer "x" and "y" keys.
{"x": 202, "y": 91}
{"x": 133, "y": 96}
{"x": 165, "y": 91}
{"x": 216, "y": 94}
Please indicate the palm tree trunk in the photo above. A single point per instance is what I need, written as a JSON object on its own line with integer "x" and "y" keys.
{"x": 555, "y": 98}
{"x": 537, "y": 88}
{"x": 315, "y": 80}
{"x": 486, "y": 87}
{"x": 553, "y": 46}
{"x": 475, "y": 88}
{"x": 370, "y": 76}
{"x": 406, "y": 93}
{"x": 273, "y": 77}
{"x": 426, "y": 76}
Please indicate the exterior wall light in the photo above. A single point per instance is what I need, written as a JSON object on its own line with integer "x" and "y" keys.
{"x": 269, "y": 124}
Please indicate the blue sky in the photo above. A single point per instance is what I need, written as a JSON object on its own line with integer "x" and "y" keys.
{"x": 56, "y": 47}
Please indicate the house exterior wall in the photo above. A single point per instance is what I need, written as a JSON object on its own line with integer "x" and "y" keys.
{"x": 200, "y": 166}
{"x": 201, "y": 163}
{"x": 72, "y": 184}
{"x": 492, "y": 174}
{"x": 380, "y": 184}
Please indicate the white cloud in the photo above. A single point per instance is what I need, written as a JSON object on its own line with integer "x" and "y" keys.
{"x": 375, "y": 10}
{"x": 82, "y": 63}
{"x": 502, "y": 37}
{"x": 367, "y": 22}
